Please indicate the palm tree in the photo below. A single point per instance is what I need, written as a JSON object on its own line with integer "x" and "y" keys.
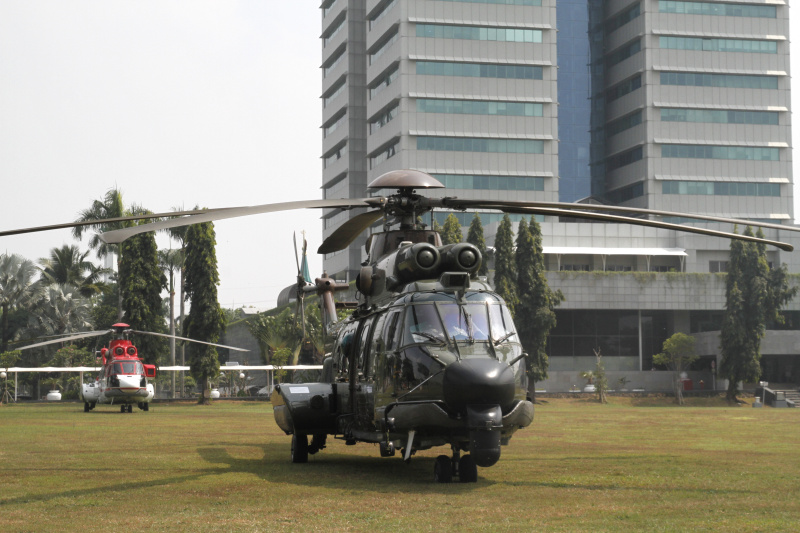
{"x": 18, "y": 290}
{"x": 62, "y": 310}
{"x": 111, "y": 206}
{"x": 68, "y": 266}
{"x": 170, "y": 262}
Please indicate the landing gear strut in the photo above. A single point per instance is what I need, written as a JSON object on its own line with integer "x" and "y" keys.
{"x": 446, "y": 468}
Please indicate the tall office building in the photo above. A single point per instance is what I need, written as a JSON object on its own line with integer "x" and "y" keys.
{"x": 671, "y": 105}
{"x": 465, "y": 91}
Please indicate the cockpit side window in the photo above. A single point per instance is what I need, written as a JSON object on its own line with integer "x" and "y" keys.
{"x": 391, "y": 330}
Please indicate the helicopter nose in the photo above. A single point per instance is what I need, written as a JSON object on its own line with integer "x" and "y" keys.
{"x": 478, "y": 382}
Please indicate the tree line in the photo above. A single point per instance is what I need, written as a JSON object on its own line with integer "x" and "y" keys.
{"x": 64, "y": 293}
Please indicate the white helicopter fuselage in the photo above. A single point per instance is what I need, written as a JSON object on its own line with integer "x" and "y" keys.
{"x": 129, "y": 390}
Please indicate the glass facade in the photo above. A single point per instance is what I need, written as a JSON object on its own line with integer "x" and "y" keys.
{"x": 717, "y": 9}
{"x": 719, "y": 116}
{"x": 498, "y": 183}
{"x": 477, "y": 33}
{"x": 704, "y": 151}
{"x": 475, "y": 144}
{"x": 733, "y": 81}
{"x": 721, "y": 188}
{"x": 574, "y": 101}
{"x": 719, "y": 45}
{"x": 479, "y": 70}
{"x": 479, "y": 107}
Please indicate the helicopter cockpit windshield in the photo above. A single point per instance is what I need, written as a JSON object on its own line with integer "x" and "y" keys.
{"x": 128, "y": 368}
{"x": 446, "y": 319}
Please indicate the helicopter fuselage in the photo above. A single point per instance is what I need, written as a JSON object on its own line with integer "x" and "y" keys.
{"x": 123, "y": 379}
{"x": 422, "y": 363}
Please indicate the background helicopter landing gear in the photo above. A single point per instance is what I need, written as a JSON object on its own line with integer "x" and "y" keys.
{"x": 443, "y": 469}
{"x": 299, "y": 448}
{"x": 86, "y": 407}
{"x": 144, "y": 406}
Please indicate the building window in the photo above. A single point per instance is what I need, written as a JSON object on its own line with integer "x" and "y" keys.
{"x": 479, "y": 33}
{"x": 475, "y": 144}
{"x": 327, "y": 130}
{"x": 721, "y": 188}
{"x": 718, "y": 45}
{"x": 704, "y": 151}
{"x": 381, "y": 13}
{"x": 336, "y": 188}
{"x": 619, "y": 268}
{"x": 334, "y": 63}
{"x": 479, "y": 107}
{"x": 625, "y": 158}
{"x": 328, "y": 37}
{"x": 495, "y": 183}
{"x": 624, "y": 123}
{"x": 719, "y": 116}
{"x": 733, "y": 81}
{"x": 327, "y": 8}
{"x": 717, "y": 266}
{"x": 575, "y": 268}
{"x": 384, "y": 154}
{"x": 332, "y": 96}
{"x": 338, "y": 153}
{"x": 383, "y": 119}
{"x": 623, "y": 18}
{"x": 624, "y": 52}
{"x": 386, "y": 80}
{"x": 623, "y": 194}
{"x": 383, "y": 48}
{"x": 621, "y": 89}
{"x": 479, "y": 70}
{"x": 717, "y": 9}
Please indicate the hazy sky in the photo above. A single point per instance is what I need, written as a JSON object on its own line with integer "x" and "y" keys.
{"x": 177, "y": 103}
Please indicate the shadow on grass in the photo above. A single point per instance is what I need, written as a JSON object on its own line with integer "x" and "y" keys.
{"x": 359, "y": 472}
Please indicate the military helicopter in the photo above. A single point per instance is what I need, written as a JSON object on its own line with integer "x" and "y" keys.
{"x": 430, "y": 356}
{"x": 123, "y": 376}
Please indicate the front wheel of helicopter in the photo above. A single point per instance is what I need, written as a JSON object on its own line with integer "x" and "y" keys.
{"x": 299, "y": 448}
{"x": 443, "y": 470}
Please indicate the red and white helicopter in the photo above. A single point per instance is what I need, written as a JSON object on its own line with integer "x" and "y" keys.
{"x": 123, "y": 378}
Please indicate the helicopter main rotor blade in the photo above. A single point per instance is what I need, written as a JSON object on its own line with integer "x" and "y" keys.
{"x": 97, "y": 222}
{"x": 65, "y": 339}
{"x": 117, "y": 236}
{"x": 507, "y": 206}
{"x": 348, "y": 231}
{"x": 606, "y": 217}
{"x": 187, "y": 339}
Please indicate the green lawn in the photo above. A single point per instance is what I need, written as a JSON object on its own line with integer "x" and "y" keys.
{"x": 628, "y": 466}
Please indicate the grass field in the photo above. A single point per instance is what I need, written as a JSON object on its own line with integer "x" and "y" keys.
{"x": 630, "y": 465}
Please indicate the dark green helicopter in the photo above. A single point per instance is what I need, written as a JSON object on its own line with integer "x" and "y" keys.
{"x": 430, "y": 356}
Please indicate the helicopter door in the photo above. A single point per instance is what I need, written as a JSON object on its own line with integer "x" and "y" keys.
{"x": 362, "y": 348}
{"x": 387, "y": 359}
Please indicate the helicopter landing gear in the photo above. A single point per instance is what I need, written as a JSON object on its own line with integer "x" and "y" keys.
{"x": 144, "y": 406}
{"x": 299, "y": 448}
{"x": 86, "y": 407}
{"x": 317, "y": 443}
{"x": 446, "y": 468}
{"x": 443, "y": 470}
{"x": 387, "y": 449}
{"x": 126, "y": 408}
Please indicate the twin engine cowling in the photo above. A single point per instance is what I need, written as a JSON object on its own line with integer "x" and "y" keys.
{"x": 413, "y": 262}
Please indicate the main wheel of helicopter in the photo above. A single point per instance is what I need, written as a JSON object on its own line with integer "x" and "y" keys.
{"x": 122, "y": 408}
{"x": 146, "y": 406}
{"x": 467, "y": 469}
{"x": 443, "y": 470}
{"x": 299, "y": 448}
{"x": 86, "y": 407}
